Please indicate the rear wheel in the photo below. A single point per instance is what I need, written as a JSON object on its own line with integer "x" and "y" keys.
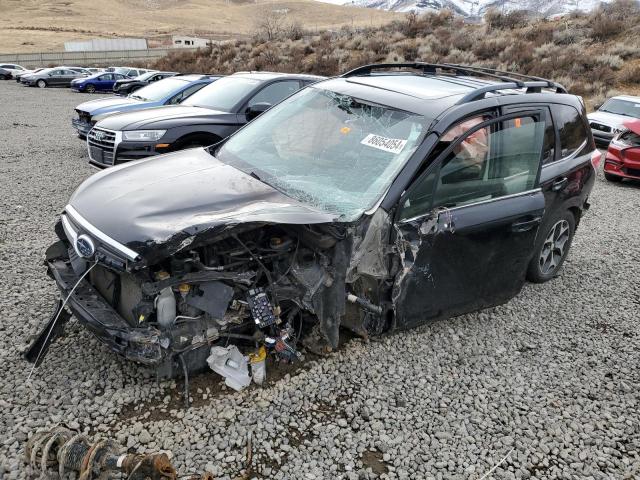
{"x": 41, "y": 84}
{"x": 552, "y": 247}
{"x": 90, "y": 88}
{"x": 613, "y": 178}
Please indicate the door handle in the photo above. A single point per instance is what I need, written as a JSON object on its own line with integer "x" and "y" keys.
{"x": 559, "y": 184}
{"x": 525, "y": 225}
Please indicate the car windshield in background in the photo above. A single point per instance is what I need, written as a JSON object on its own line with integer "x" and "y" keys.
{"x": 622, "y": 107}
{"x": 159, "y": 90}
{"x": 145, "y": 76}
{"x": 329, "y": 150}
{"x": 223, "y": 94}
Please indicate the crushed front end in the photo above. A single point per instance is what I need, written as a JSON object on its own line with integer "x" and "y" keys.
{"x": 250, "y": 285}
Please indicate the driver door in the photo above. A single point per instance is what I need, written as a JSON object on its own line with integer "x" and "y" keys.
{"x": 466, "y": 228}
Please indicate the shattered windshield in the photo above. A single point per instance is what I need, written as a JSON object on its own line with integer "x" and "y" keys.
{"x": 329, "y": 150}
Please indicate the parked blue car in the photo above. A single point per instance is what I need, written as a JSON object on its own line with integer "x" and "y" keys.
{"x": 96, "y": 82}
{"x": 169, "y": 91}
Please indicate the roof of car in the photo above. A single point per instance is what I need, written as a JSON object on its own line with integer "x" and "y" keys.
{"x": 627, "y": 97}
{"x": 431, "y": 89}
{"x": 272, "y": 75}
{"x": 194, "y": 77}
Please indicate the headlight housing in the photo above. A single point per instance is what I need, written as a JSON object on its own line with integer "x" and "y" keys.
{"x": 143, "y": 135}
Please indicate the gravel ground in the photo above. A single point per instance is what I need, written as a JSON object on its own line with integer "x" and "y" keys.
{"x": 551, "y": 377}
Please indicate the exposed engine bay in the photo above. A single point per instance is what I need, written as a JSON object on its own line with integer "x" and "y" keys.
{"x": 286, "y": 288}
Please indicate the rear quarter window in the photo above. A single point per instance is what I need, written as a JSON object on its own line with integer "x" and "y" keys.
{"x": 572, "y": 130}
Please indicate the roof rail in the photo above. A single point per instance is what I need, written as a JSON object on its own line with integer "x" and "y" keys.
{"x": 551, "y": 84}
{"x": 535, "y": 85}
{"x": 426, "y": 68}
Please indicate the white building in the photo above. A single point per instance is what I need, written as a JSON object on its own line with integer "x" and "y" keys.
{"x": 102, "y": 44}
{"x": 179, "y": 41}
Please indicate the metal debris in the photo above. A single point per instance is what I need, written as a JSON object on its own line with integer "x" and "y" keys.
{"x": 62, "y": 450}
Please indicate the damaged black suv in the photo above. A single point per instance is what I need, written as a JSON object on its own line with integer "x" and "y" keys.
{"x": 376, "y": 201}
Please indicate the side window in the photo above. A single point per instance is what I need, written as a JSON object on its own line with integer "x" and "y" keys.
{"x": 487, "y": 161}
{"x": 275, "y": 92}
{"x": 185, "y": 93}
{"x": 573, "y": 133}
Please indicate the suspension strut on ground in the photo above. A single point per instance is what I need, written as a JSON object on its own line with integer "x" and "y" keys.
{"x": 65, "y": 450}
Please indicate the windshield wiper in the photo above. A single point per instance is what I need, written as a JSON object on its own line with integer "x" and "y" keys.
{"x": 255, "y": 175}
{"x": 137, "y": 97}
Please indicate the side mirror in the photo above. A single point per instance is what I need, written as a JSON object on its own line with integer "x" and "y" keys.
{"x": 597, "y": 107}
{"x": 256, "y": 109}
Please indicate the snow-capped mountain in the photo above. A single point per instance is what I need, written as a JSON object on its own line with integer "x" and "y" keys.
{"x": 476, "y": 8}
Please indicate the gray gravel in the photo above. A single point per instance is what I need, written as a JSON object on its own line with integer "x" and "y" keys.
{"x": 552, "y": 375}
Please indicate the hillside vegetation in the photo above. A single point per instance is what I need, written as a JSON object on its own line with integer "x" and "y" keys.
{"x": 594, "y": 55}
{"x": 38, "y": 26}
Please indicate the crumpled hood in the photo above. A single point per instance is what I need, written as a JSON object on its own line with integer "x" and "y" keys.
{"x": 107, "y": 104}
{"x": 633, "y": 125}
{"x": 154, "y": 117}
{"x": 609, "y": 119}
{"x": 147, "y": 203}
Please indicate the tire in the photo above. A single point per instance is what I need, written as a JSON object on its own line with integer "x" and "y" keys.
{"x": 90, "y": 88}
{"x": 612, "y": 178}
{"x": 41, "y": 84}
{"x": 6, "y": 77}
{"x": 552, "y": 247}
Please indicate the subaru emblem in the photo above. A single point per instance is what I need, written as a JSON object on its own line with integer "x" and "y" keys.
{"x": 85, "y": 246}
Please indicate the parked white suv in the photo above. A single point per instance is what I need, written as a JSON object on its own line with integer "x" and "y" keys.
{"x": 608, "y": 120}
{"x": 13, "y": 68}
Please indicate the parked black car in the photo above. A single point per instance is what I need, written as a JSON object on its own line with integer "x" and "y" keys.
{"x": 52, "y": 77}
{"x": 377, "y": 201}
{"x": 126, "y": 86}
{"x": 205, "y": 118}
{"x": 169, "y": 91}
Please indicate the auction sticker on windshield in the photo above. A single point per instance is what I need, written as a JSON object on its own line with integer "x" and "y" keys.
{"x": 393, "y": 145}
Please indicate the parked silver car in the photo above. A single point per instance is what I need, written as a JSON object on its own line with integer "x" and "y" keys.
{"x": 608, "y": 120}
{"x": 53, "y": 77}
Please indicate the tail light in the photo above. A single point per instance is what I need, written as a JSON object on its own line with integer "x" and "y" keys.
{"x": 596, "y": 158}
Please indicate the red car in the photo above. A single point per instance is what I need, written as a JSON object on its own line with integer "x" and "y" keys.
{"x": 623, "y": 157}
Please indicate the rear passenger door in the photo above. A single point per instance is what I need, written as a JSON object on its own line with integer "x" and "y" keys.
{"x": 466, "y": 228}
{"x": 564, "y": 175}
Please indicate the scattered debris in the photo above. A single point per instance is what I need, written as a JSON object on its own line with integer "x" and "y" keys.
{"x": 258, "y": 365}
{"x": 232, "y": 365}
{"x": 68, "y": 451}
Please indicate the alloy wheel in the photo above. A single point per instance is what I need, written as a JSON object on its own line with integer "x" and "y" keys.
{"x": 554, "y": 247}
{"x": 42, "y": 83}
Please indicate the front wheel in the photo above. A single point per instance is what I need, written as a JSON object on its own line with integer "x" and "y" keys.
{"x": 552, "y": 247}
{"x": 41, "y": 84}
{"x": 612, "y": 178}
{"x": 90, "y": 88}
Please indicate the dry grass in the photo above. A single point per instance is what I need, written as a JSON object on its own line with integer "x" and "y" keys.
{"x": 36, "y": 25}
{"x": 594, "y": 55}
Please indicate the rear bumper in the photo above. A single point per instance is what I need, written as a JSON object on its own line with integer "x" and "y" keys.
{"x": 141, "y": 345}
{"x": 621, "y": 167}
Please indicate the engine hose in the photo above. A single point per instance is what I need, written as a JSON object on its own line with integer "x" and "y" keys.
{"x": 185, "y": 370}
{"x": 365, "y": 304}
